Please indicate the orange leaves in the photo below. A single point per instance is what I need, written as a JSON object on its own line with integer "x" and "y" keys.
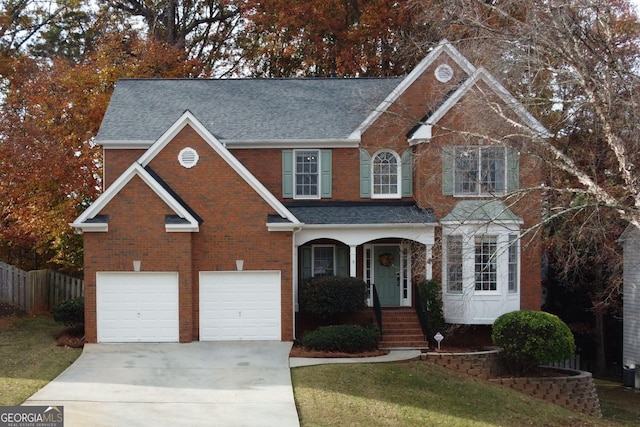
{"x": 48, "y": 166}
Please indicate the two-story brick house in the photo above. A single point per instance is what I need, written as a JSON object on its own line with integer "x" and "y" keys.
{"x": 222, "y": 196}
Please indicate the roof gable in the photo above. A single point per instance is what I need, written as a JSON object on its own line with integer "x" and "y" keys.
{"x": 443, "y": 48}
{"x": 423, "y": 132}
{"x": 91, "y": 220}
{"x": 188, "y": 119}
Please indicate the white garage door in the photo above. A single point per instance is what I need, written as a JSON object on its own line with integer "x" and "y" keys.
{"x": 137, "y": 307}
{"x": 239, "y": 305}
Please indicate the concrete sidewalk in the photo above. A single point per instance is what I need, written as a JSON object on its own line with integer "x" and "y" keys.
{"x": 393, "y": 356}
{"x": 193, "y": 384}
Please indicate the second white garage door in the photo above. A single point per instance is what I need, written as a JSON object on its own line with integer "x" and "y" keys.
{"x": 240, "y": 305}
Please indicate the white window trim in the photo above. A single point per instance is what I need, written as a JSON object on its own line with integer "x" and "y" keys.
{"x": 295, "y": 175}
{"x": 398, "y": 193}
{"x": 313, "y": 258}
{"x": 469, "y": 233}
{"x": 479, "y": 193}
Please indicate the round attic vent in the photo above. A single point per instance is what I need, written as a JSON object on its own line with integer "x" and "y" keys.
{"x": 444, "y": 73}
{"x": 188, "y": 157}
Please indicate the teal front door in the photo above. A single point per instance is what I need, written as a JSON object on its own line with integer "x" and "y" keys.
{"x": 386, "y": 274}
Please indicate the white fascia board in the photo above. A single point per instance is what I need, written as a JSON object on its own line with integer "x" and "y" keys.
{"x": 93, "y": 227}
{"x": 133, "y": 170}
{"x": 237, "y": 144}
{"x": 182, "y": 228}
{"x": 189, "y": 119}
{"x": 369, "y": 226}
{"x": 283, "y": 226}
{"x": 443, "y": 47}
{"x": 421, "y": 135}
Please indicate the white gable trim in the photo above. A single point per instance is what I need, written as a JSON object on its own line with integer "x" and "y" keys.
{"x": 134, "y": 170}
{"x": 424, "y": 132}
{"x": 189, "y": 119}
{"x": 443, "y": 47}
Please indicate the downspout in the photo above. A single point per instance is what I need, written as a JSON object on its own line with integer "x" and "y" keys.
{"x": 294, "y": 281}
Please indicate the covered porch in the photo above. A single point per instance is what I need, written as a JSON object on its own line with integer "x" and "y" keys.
{"x": 388, "y": 245}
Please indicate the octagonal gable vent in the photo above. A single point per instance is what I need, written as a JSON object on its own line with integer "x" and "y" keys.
{"x": 444, "y": 73}
{"x": 188, "y": 157}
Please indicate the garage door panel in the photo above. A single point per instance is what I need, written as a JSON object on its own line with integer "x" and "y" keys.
{"x": 240, "y": 305}
{"x": 137, "y": 307}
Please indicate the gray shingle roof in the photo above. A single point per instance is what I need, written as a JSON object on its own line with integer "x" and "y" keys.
{"x": 359, "y": 213}
{"x": 243, "y": 109}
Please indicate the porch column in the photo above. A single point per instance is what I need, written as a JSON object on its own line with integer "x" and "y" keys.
{"x": 352, "y": 261}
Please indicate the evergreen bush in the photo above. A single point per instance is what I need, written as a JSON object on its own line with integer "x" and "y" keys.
{"x": 69, "y": 312}
{"x": 328, "y": 297}
{"x": 531, "y": 338}
{"x": 342, "y": 338}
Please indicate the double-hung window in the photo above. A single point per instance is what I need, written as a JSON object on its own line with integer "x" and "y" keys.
{"x": 454, "y": 263}
{"x": 307, "y": 174}
{"x": 385, "y": 171}
{"x": 323, "y": 261}
{"x": 480, "y": 170}
{"x": 486, "y": 263}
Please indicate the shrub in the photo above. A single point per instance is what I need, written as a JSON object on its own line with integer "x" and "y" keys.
{"x": 342, "y": 338}
{"x": 530, "y": 338}
{"x": 329, "y": 297}
{"x": 69, "y": 312}
{"x": 431, "y": 293}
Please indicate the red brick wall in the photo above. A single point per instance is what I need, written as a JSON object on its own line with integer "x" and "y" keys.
{"x": 116, "y": 162}
{"x": 234, "y": 215}
{"x": 137, "y": 232}
{"x": 267, "y": 168}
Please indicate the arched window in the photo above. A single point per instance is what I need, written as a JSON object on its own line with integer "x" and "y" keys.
{"x": 385, "y": 173}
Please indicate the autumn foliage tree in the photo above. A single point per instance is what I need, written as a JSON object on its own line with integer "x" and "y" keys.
{"x": 49, "y": 168}
{"x": 326, "y": 38}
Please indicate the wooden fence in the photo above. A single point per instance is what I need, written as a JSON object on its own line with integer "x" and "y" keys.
{"x": 38, "y": 290}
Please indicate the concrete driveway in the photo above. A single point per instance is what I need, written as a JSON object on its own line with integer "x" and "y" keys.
{"x": 194, "y": 384}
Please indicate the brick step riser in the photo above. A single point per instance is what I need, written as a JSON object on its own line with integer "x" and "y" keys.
{"x": 405, "y": 338}
{"x": 393, "y": 330}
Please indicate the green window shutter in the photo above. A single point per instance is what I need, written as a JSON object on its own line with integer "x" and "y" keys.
{"x": 325, "y": 173}
{"x": 365, "y": 174}
{"x": 407, "y": 173}
{"x": 447, "y": 170}
{"x": 287, "y": 174}
{"x": 342, "y": 261}
{"x": 305, "y": 263}
{"x": 513, "y": 170}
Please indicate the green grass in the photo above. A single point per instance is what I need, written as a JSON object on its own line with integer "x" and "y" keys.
{"x": 30, "y": 358}
{"x": 619, "y": 404}
{"x": 419, "y": 394}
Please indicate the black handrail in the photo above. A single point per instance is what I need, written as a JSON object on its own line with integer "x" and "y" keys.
{"x": 422, "y": 315}
{"x": 377, "y": 308}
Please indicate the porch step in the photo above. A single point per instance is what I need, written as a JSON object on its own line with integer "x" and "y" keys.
{"x": 401, "y": 329}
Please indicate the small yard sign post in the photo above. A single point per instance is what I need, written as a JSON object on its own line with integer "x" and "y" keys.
{"x": 438, "y": 337}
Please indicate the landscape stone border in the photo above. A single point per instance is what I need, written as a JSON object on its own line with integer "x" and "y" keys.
{"x": 576, "y": 391}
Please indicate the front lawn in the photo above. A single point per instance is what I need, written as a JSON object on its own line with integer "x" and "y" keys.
{"x": 29, "y": 356}
{"x": 419, "y": 394}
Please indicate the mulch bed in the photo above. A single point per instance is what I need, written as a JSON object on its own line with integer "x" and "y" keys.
{"x": 300, "y": 351}
{"x": 71, "y": 337}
